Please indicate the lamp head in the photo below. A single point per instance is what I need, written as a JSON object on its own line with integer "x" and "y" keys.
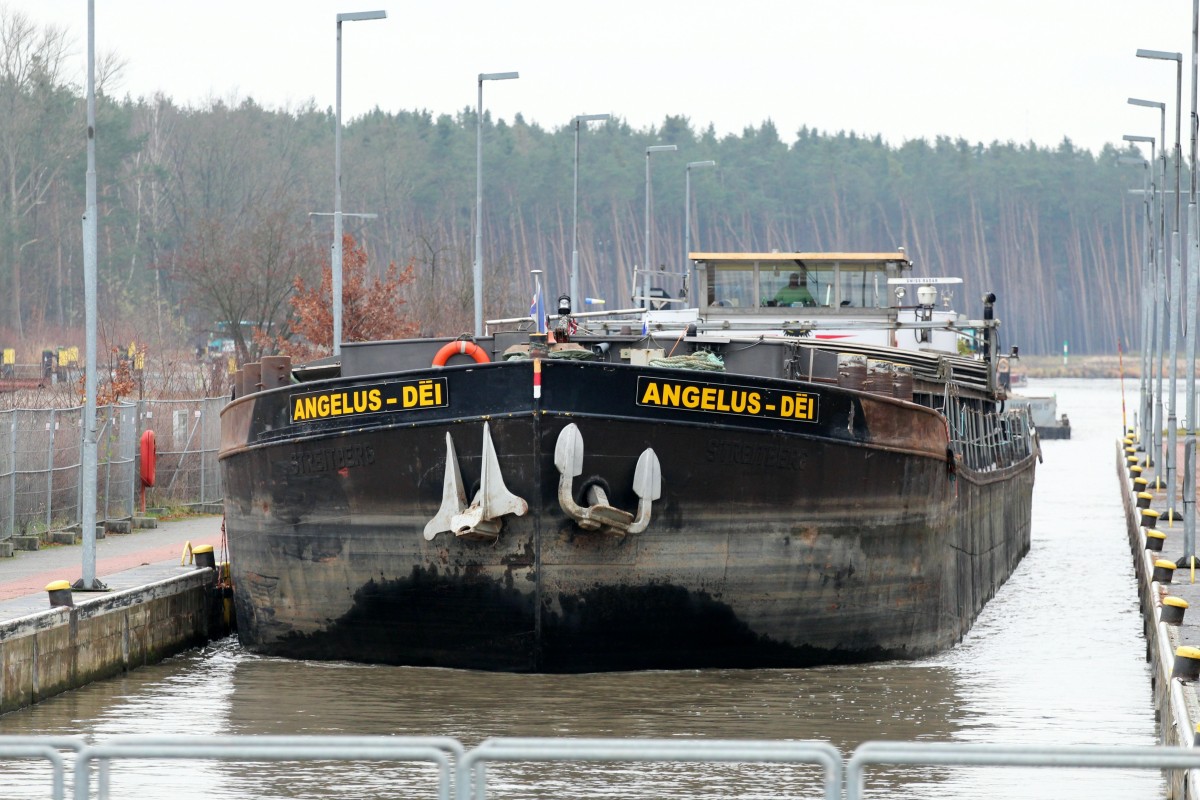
{"x": 356, "y": 16}
{"x": 1134, "y": 101}
{"x": 1160, "y": 55}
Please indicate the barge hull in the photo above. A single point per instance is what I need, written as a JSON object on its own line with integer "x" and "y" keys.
{"x": 775, "y": 542}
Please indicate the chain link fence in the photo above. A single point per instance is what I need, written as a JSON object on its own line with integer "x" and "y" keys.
{"x": 41, "y": 463}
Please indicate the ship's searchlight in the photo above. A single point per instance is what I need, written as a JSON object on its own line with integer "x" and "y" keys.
{"x": 927, "y": 296}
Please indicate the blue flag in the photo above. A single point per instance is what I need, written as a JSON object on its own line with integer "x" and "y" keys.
{"x": 537, "y": 309}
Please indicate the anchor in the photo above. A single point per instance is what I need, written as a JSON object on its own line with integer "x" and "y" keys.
{"x": 600, "y": 514}
{"x": 482, "y": 520}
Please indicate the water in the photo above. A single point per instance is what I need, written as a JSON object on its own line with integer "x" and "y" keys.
{"x": 1056, "y": 658}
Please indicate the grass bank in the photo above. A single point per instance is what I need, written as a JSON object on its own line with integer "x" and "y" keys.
{"x": 1105, "y": 366}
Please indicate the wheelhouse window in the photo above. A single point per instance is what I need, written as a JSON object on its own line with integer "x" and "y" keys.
{"x": 732, "y": 286}
{"x": 862, "y": 288}
{"x": 799, "y": 283}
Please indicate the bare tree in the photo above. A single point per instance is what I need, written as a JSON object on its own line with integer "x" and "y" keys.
{"x": 37, "y": 138}
{"x": 242, "y": 275}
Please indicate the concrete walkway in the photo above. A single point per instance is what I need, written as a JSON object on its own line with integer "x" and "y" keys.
{"x": 123, "y": 561}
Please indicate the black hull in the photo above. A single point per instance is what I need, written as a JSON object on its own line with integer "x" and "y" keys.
{"x": 777, "y": 541}
{"x": 1060, "y": 431}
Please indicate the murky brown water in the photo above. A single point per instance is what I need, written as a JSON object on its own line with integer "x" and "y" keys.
{"x": 1056, "y": 658}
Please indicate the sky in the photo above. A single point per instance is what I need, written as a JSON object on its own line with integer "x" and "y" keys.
{"x": 1007, "y": 70}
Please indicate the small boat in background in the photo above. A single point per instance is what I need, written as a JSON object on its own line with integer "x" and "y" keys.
{"x": 1043, "y": 409}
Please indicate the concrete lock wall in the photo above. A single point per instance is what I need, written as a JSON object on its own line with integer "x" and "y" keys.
{"x": 63, "y": 648}
{"x": 1176, "y": 703}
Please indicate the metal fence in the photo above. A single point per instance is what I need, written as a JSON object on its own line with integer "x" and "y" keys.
{"x": 460, "y": 773}
{"x": 41, "y": 462}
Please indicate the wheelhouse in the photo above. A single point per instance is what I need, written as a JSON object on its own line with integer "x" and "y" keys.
{"x": 831, "y": 284}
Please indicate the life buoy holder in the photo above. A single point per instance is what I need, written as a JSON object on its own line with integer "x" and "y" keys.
{"x": 147, "y": 461}
{"x": 460, "y": 346}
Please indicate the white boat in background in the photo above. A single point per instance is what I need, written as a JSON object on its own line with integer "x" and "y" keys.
{"x": 1043, "y": 409}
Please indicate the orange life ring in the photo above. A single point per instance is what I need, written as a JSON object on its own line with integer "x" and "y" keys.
{"x": 463, "y": 346}
{"x": 147, "y": 453}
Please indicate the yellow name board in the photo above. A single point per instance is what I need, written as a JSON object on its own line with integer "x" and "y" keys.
{"x": 727, "y": 399}
{"x": 373, "y": 399}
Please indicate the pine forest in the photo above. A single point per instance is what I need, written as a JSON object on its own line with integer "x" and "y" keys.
{"x": 210, "y": 214}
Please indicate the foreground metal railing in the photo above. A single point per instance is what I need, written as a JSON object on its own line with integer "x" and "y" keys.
{"x": 997, "y": 755}
{"x": 441, "y": 751}
{"x": 462, "y": 773}
{"x": 472, "y": 773}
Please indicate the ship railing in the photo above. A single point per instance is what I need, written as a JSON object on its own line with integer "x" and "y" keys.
{"x": 461, "y": 773}
{"x": 711, "y": 323}
{"x": 987, "y": 440}
{"x": 527, "y": 323}
{"x": 679, "y": 319}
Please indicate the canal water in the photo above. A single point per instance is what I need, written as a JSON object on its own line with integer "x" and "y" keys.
{"x": 1056, "y": 658}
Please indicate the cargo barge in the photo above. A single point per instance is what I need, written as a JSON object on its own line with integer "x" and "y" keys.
{"x": 747, "y": 481}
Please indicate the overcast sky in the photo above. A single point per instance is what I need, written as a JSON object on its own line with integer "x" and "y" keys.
{"x": 1016, "y": 70}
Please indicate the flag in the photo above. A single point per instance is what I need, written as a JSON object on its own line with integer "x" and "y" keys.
{"x": 537, "y": 309}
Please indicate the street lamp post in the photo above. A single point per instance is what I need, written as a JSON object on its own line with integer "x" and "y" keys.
{"x": 576, "y": 299}
{"x": 687, "y": 212}
{"x": 1193, "y": 335}
{"x": 336, "y": 268}
{"x": 478, "y": 270}
{"x": 88, "y": 446}
{"x": 1160, "y": 281}
{"x": 1150, "y": 314}
{"x": 1175, "y": 279}
{"x": 654, "y": 148}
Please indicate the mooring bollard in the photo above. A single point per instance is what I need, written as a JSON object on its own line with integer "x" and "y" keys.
{"x": 1149, "y": 518}
{"x": 1143, "y": 499}
{"x": 1155, "y": 540}
{"x": 205, "y": 556}
{"x": 60, "y": 594}
{"x": 1172, "y": 609}
{"x": 1164, "y": 570}
{"x": 1187, "y": 663}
